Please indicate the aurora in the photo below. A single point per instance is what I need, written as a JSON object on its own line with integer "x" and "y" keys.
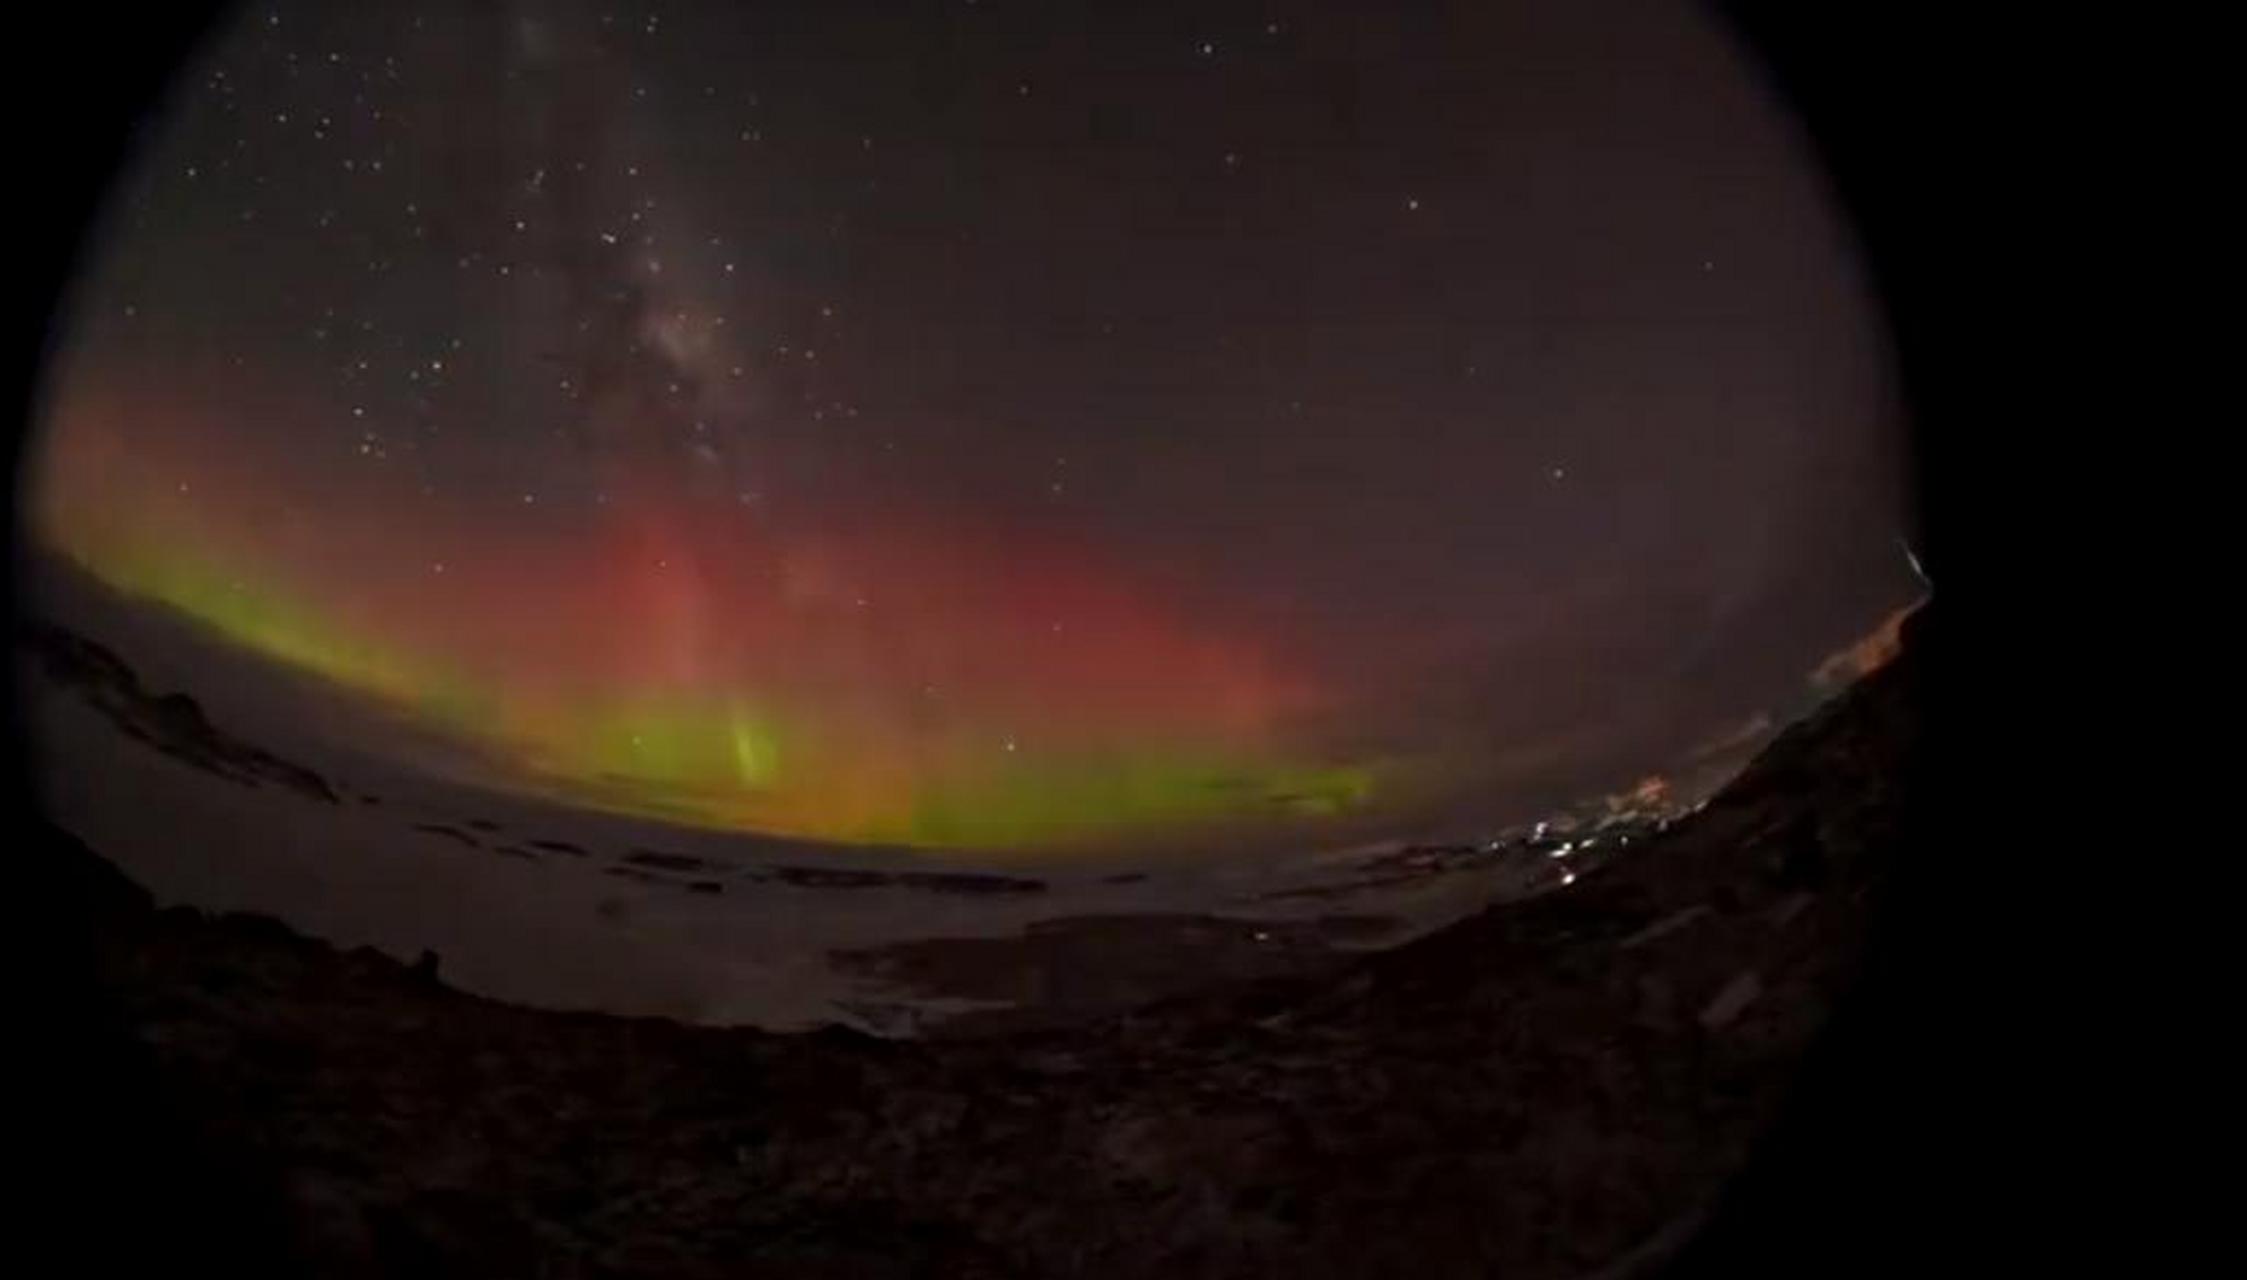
{"x": 688, "y": 429}
{"x": 672, "y": 660}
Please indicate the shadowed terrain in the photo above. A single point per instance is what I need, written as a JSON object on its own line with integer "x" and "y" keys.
{"x": 1068, "y": 970}
{"x": 1538, "y": 1090}
{"x": 172, "y": 723}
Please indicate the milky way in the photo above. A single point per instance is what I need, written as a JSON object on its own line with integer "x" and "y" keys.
{"x": 988, "y": 425}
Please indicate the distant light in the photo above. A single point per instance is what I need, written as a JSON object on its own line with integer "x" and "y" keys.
{"x": 1568, "y": 877}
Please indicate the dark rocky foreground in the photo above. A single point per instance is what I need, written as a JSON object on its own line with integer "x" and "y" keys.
{"x": 1075, "y": 969}
{"x": 1539, "y": 1090}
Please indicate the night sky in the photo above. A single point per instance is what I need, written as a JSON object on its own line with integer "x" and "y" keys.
{"x": 1011, "y": 426}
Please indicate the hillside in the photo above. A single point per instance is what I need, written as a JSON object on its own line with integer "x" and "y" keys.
{"x": 1535, "y": 1091}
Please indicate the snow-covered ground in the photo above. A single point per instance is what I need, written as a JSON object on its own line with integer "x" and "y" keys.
{"x": 708, "y": 935}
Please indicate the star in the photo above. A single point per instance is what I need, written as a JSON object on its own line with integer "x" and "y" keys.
{"x": 1023, "y": 283}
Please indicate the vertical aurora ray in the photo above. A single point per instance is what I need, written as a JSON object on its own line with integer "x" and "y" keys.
{"x": 754, "y": 758}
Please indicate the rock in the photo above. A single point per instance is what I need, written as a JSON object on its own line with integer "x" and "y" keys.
{"x": 1790, "y": 907}
{"x": 1668, "y": 924}
{"x": 968, "y": 882}
{"x": 1801, "y": 862}
{"x": 1733, "y": 1000}
{"x": 831, "y": 878}
{"x": 666, "y": 861}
